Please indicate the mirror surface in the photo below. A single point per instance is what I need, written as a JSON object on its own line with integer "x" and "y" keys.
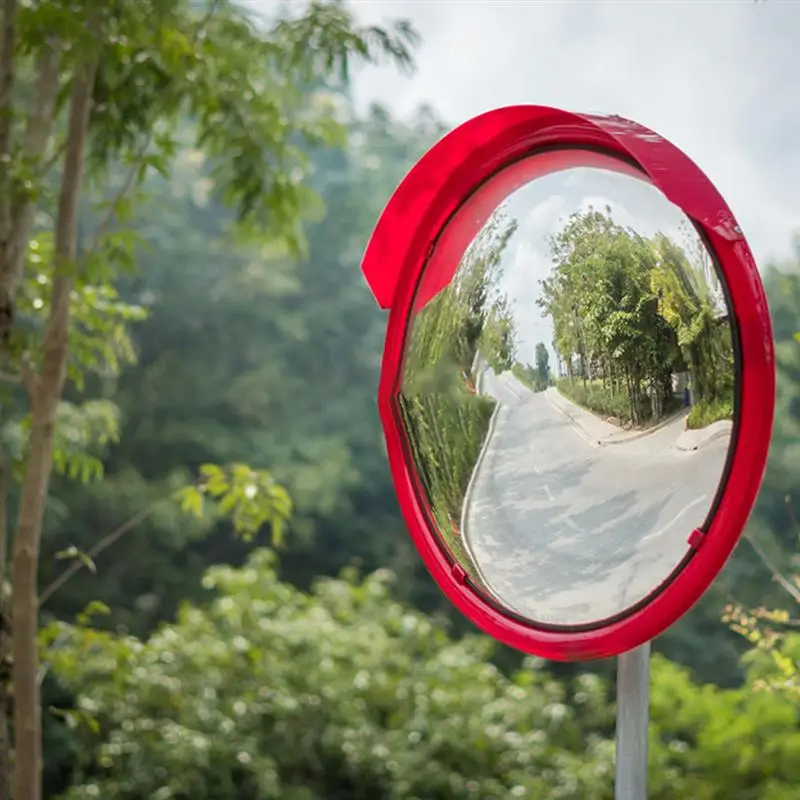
{"x": 568, "y": 398}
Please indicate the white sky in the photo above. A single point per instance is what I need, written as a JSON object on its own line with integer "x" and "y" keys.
{"x": 719, "y": 79}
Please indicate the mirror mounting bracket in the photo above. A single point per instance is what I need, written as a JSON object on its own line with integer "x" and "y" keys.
{"x": 696, "y": 539}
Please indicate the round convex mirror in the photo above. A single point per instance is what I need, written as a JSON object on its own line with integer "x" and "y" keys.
{"x": 569, "y": 398}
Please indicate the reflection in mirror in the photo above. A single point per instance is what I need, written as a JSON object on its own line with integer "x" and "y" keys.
{"x": 568, "y": 398}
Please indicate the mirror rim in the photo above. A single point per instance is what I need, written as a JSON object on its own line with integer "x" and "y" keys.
{"x": 438, "y": 272}
{"x": 439, "y": 185}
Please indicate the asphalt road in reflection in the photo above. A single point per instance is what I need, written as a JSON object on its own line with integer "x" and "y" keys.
{"x": 566, "y": 532}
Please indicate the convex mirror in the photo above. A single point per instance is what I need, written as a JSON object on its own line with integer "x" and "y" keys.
{"x": 568, "y": 398}
{"x": 574, "y": 354}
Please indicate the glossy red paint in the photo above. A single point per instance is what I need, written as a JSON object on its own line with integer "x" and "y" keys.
{"x": 419, "y": 239}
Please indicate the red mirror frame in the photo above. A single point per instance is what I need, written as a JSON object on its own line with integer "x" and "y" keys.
{"x": 451, "y": 177}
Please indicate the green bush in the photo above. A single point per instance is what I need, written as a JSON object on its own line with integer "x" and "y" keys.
{"x": 705, "y": 413}
{"x": 266, "y": 692}
{"x": 601, "y": 399}
{"x": 596, "y": 397}
{"x": 527, "y": 375}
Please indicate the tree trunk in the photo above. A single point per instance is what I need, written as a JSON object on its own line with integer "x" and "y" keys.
{"x": 631, "y": 394}
{"x": 584, "y": 366}
{"x": 9, "y": 13}
{"x": 5, "y": 645}
{"x": 14, "y": 245}
{"x": 45, "y": 389}
{"x": 7, "y": 44}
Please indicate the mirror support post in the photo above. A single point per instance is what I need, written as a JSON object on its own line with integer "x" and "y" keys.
{"x": 633, "y": 715}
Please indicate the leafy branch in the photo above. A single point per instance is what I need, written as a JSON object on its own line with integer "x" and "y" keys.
{"x": 250, "y": 498}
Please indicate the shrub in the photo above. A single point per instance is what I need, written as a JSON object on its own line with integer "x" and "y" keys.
{"x": 596, "y": 397}
{"x": 705, "y": 413}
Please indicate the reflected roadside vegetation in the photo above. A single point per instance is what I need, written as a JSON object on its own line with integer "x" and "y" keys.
{"x": 640, "y": 324}
{"x": 557, "y": 337}
{"x": 447, "y": 419}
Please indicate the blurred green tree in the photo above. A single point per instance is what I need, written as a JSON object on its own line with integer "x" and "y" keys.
{"x": 266, "y": 692}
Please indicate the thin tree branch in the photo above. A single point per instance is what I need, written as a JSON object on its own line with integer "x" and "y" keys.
{"x": 106, "y": 542}
{"x": 9, "y": 13}
{"x": 53, "y": 159}
{"x": 77, "y": 565}
{"x": 127, "y": 185}
{"x": 205, "y": 19}
{"x": 777, "y": 575}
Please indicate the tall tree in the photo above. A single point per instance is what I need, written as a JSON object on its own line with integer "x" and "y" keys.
{"x": 112, "y": 87}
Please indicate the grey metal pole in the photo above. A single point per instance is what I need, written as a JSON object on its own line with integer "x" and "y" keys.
{"x": 633, "y": 715}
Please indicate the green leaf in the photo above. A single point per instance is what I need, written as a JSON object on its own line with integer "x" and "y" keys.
{"x": 191, "y": 501}
{"x": 73, "y": 552}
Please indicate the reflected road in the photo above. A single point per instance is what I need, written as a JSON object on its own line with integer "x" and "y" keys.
{"x": 566, "y": 532}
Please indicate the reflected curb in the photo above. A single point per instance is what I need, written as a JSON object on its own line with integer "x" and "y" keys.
{"x": 464, "y": 521}
{"x": 633, "y": 436}
{"x": 579, "y": 429}
{"x": 697, "y": 438}
{"x": 687, "y": 441}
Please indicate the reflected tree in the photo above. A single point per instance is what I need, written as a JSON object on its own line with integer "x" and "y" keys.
{"x": 542, "y": 363}
{"x": 535, "y": 377}
{"x": 631, "y": 314}
{"x": 686, "y": 302}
